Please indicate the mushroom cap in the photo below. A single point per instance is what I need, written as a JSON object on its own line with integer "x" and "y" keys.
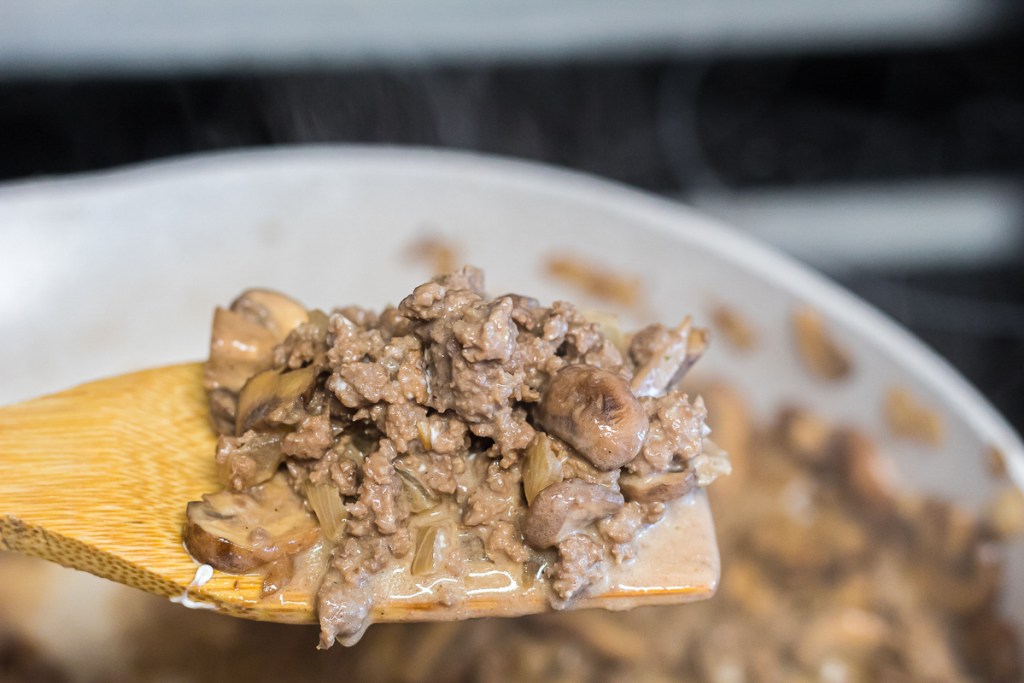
{"x": 595, "y": 412}
{"x": 566, "y": 507}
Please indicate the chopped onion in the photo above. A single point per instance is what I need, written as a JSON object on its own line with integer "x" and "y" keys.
{"x": 327, "y": 504}
{"x": 269, "y": 390}
{"x": 533, "y": 571}
{"x": 431, "y": 547}
{"x": 423, "y": 427}
{"x": 541, "y": 467}
{"x": 420, "y": 497}
{"x": 712, "y": 462}
{"x": 608, "y": 323}
{"x": 320, "y": 322}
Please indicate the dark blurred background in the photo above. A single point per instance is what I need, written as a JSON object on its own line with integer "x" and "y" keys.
{"x": 882, "y": 142}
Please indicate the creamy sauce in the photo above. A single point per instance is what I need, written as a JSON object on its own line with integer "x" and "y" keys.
{"x": 469, "y": 456}
{"x": 204, "y": 573}
{"x": 677, "y": 561}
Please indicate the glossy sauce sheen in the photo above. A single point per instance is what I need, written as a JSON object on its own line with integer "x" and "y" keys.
{"x": 677, "y": 562}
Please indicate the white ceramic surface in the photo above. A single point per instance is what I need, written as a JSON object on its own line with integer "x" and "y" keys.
{"x": 112, "y": 272}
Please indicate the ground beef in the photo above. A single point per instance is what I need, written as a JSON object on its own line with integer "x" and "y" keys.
{"x": 334, "y": 468}
{"x": 304, "y": 345}
{"x": 429, "y": 406}
{"x": 621, "y": 528}
{"x": 578, "y": 566}
{"x": 675, "y": 432}
{"x": 380, "y": 494}
{"x": 504, "y": 540}
{"x": 497, "y": 500}
{"x": 646, "y": 343}
{"x": 311, "y": 439}
{"x": 343, "y": 607}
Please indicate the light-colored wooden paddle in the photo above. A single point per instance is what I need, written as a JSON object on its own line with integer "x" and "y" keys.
{"x": 97, "y": 478}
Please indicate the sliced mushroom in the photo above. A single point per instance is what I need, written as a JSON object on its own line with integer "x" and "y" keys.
{"x": 598, "y": 281}
{"x": 1004, "y": 514}
{"x": 566, "y": 507}
{"x": 239, "y": 348}
{"x": 242, "y": 345}
{"x": 271, "y": 391}
{"x": 596, "y": 413}
{"x": 248, "y": 460}
{"x": 223, "y": 408}
{"x": 240, "y": 532}
{"x": 276, "y": 312}
{"x": 668, "y": 364}
{"x": 734, "y": 327}
{"x": 657, "y": 487}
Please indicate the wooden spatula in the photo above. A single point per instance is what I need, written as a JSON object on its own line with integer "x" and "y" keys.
{"x": 97, "y": 478}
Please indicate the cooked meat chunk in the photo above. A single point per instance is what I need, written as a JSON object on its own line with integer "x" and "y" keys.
{"x": 247, "y": 460}
{"x": 579, "y": 565}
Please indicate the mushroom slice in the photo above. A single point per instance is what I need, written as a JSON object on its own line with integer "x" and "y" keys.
{"x": 666, "y": 367}
{"x": 566, "y": 507}
{"x": 596, "y": 413}
{"x": 271, "y": 391}
{"x": 276, "y": 312}
{"x": 241, "y": 532}
{"x": 239, "y": 348}
{"x": 247, "y": 460}
{"x": 658, "y": 487}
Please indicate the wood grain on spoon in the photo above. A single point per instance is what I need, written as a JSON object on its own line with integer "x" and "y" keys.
{"x": 97, "y": 478}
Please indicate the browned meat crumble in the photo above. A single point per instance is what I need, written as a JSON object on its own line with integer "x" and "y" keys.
{"x": 451, "y": 428}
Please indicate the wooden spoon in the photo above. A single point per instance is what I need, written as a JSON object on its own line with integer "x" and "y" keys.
{"x": 97, "y": 478}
